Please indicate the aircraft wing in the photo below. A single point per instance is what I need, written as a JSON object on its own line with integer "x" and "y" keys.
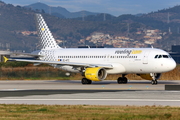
{"x": 62, "y": 63}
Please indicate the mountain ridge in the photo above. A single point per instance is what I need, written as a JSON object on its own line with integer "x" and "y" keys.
{"x": 17, "y": 27}
{"x": 59, "y": 11}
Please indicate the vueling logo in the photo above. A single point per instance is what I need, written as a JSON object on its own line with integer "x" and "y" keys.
{"x": 136, "y": 52}
{"x": 128, "y": 52}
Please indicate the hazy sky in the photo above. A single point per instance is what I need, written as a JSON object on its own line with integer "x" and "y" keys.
{"x": 114, "y": 7}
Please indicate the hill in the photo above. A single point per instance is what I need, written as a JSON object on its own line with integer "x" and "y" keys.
{"x": 58, "y": 11}
{"x": 14, "y": 20}
{"x": 166, "y": 15}
{"x": 17, "y": 28}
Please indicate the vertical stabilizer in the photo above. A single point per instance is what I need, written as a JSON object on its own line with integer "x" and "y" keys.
{"x": 46, "y": 39}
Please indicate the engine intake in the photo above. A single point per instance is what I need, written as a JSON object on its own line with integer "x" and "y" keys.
{"x": 95, "y": 74}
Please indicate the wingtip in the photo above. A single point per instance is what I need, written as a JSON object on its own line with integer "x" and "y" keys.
{"x": 5, "y": 59}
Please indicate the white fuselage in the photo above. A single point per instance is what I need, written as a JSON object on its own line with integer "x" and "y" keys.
{"x": 123, "y": 60}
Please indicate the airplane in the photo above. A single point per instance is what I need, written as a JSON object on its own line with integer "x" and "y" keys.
{"x": 96, "y": 63}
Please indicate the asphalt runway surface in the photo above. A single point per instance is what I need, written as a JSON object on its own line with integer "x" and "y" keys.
{"x": 72, "y": 92}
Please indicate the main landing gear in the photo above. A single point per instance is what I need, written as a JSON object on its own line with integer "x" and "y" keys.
{"x": 122, "y": 80}
{"x": 85, "y": 81}
{"x": 154, "y": 82}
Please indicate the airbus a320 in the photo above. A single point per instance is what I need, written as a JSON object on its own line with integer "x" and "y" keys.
{"x": 96, "y": 63}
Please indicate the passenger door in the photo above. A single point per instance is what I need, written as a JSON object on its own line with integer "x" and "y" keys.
{"x": 145, "y": 57}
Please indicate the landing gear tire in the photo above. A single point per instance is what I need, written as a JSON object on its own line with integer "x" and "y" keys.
{"x": 122, "y": 80}
{"x": 154, "y": 82}
{"x": 86, "y": 81}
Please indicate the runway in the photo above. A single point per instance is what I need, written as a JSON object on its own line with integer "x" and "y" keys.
{"x": 72, "y": 92}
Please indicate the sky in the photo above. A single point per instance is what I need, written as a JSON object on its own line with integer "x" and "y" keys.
{"x": 114, "y": 7}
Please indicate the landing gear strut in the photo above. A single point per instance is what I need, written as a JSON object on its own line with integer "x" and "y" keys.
{"x": 86, "y": 81}
{"x": 122, "y": 80}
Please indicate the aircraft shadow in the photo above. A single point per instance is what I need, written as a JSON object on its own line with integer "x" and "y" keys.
{"x": 79, "y": 82}
{"x": 115, "y": 82}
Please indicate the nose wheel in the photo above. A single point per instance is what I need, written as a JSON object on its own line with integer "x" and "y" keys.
{"x": 154, "y": 82}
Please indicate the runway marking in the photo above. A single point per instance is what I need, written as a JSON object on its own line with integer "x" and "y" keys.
{"x": 148, "y": 100}
{"x": 3, "y": 90}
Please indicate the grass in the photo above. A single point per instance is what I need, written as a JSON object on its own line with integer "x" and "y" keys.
{"x": 87, "y": 112}
{"x": 49, "y": 73}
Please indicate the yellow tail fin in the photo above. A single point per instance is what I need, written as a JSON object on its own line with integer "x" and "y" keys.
{"x": 5, "y": 59}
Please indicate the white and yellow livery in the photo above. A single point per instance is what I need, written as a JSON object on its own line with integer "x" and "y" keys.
{"x": 96, "y": 63}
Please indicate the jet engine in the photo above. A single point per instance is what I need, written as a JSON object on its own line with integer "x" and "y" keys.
{"x": 95, "y": 74}
{"x": 150, "y": 76}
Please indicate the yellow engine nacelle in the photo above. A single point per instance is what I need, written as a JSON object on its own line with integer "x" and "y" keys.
{"x": 95, "y": 74}
{"x": 149, "y": 77}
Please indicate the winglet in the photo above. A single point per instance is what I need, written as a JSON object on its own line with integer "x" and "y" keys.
{"x": 5, "y": 59}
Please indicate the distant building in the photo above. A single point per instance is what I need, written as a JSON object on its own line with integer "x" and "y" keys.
{"x": 90, "y": 46}
{"x": 175, "y": 48}
{"x": 4, "y": 53}
{"x": 175, "y": 53}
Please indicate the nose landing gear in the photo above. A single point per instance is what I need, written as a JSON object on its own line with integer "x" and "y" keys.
{"x": 154, "y": 82}
{"x": 155, "y": 76}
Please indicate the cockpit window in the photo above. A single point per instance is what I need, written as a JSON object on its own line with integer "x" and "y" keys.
{"x": 162, "y": 56}
{"x": 165, "y": 56}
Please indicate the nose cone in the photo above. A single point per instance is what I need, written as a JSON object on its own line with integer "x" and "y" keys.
{"x": 171, "y": 65}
